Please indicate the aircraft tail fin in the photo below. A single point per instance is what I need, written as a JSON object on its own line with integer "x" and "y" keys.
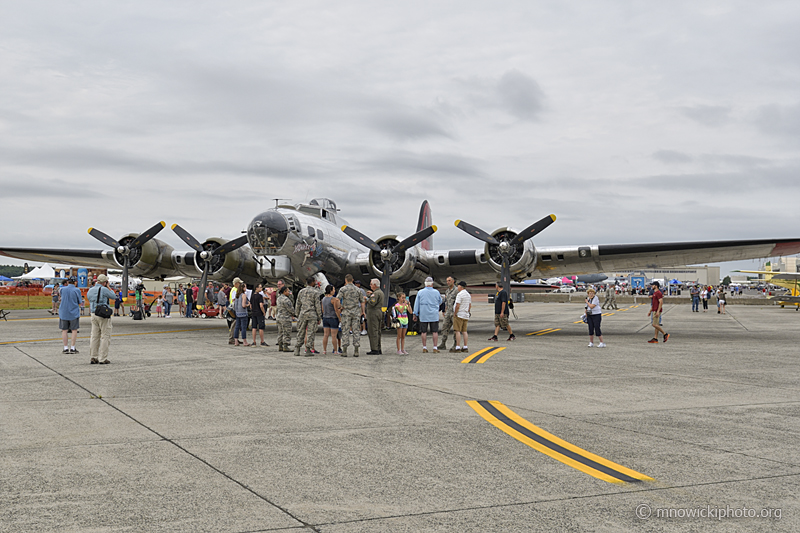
{"x": 425, "y": 220}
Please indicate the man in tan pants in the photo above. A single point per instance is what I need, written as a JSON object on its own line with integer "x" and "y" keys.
{"x": 101, "y": 327}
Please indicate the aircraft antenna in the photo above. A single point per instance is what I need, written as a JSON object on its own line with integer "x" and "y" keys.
{"x": 279, "y": 200}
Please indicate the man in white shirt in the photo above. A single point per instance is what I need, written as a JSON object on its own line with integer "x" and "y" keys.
{"x": 461, "y": 313}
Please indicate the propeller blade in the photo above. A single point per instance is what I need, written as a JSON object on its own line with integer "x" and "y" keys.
{"x": 231, "y": 245}
{"x": 414, "y": 239}
{"x": 532, "y": 230}
{"x": 360, "y": 237}
{"x": 386, "y": 283}
{"x": 201, "y": 293}
{"x": 476, "y": 232}
{"x": 505, "y": 274}
{"x": 102, "y": 237}
{"x": 187, "y": 237}
{"x": 125, "y": 264}
{"x": 147, "y": 235}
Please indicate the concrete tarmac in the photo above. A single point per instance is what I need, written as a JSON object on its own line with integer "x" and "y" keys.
{"x": 182, "y": 432}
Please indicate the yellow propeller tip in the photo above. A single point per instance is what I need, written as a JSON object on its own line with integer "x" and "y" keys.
{"x": 89, "y": 230}
{"x": 343, "y": 227}
{"x": 553, "y": 217}
{"x": 458, "y": 222}
{"x": 173, "y": 227}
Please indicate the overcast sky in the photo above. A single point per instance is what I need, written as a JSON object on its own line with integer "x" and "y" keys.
{"x": 631, "y": 121}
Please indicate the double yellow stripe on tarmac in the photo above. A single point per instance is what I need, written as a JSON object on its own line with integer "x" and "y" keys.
{"x": 509, "y": 422}
{"x": 482, "y": 355}
{"x": 544, "y": 331}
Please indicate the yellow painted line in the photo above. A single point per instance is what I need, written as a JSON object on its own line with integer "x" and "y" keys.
{"x": 43, "y": 318}
{"x": 607, "y": 314}
{"x": 578, "y": 322}
{"x": 541, "y": 331}
{"x": 550, "y": 452}
{"x": 472, "y": 356}
{"x": 489, "y": 354}
{"x": 113, "y": 335}
{"x": 621, "y": 310}
{"x": 551, "y": 331}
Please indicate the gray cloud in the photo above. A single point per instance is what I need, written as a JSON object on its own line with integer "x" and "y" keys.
{"x": 783, "y": 120}
{"x": 672, "y": 157}
{"x": 410, "y": 124}
{"x": 708, "y": 115}
{"x": 520, "y": 95}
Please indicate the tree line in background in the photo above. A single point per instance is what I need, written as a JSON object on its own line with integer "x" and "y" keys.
{"x": 10, "y": 271}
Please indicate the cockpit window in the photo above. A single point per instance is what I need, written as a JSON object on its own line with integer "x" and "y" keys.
{"x": 267, "y": 233}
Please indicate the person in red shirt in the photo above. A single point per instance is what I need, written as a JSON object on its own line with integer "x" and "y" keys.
{"x": 655, "y": 313}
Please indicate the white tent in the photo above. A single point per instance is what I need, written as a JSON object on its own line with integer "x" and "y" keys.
{"x": 43, "y": 272}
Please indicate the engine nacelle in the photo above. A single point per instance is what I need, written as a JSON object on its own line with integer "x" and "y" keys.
{"x": 523, "y": 256}
{"x": 153, "y": 259}
{"x": 237, "y": 263}
{"x": 403, "y": 265}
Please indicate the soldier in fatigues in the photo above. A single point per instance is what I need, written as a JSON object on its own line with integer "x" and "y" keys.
{"x": 449, "y": 305}
{"x": 374, "y": 317}
{"x": 283, "y": 317}
{"x": 607, "y": 300}
{"x": 352, "y": 310}
{"x": 613, "y": 296}
{"x": 308, "y": 310}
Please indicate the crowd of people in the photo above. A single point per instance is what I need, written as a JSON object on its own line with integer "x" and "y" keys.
{"x": 345, "y": 314}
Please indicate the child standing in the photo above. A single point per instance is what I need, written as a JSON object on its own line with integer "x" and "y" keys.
{"x": 159, "y": 305}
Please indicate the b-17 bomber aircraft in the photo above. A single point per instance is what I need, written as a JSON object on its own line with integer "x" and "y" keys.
{"x": 295, "y": 242}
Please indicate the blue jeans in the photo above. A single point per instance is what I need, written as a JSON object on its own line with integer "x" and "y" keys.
{"x": 189, "y": 308}
{"x": 695, "y": 303}
{"x": 167, "y": 307}
{"x": 240, "y": 325}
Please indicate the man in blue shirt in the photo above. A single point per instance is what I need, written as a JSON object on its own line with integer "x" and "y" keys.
{"x": 69, "y": 314}
{"x": 426, "y": 308}
{"x": 101, "y": 327}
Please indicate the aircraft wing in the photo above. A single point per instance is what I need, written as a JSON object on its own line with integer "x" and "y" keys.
{"x": 557, "y": 261}
{"x": 618, "y": 257}
{"x": 788, "y": 299}
{"x": 775, "y": 275}
{"x": 92, "y": 258}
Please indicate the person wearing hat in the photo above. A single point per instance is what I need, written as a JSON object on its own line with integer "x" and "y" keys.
{"x": 101, "y": 327}
{"x": 357, "y": 283}
{"x": 461, "y": 310}
{"x": 426, "y": 309}
{"x": 69, "y": 313}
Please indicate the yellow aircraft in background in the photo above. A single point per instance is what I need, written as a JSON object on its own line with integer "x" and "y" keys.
{"x": 787, "y": 280}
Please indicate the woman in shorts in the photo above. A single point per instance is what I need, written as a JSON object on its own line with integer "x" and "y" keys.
{"x": 400, "y": 312}
{"x": 331, "y": 315}
{"x": 722, "y": 299}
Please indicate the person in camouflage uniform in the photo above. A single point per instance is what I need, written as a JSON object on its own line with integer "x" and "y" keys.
{"x": 283, "y": 317}
{"x": 449, "y": 305}
{"x": 352, "y": 310}
{"x": 308, "y": 311}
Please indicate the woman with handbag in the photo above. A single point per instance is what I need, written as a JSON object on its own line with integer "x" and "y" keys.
{"x": 400, "y": 314}
{"x": 240, "y": 307}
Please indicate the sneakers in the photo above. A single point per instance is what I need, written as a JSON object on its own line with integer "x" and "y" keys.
{"x": 591, "y": 345}
{"x": 493, "y": 338}
{"x": 424, "y": 350}
{"x": 363, "y": 332}
{"x": 455, "y": 350}
{"x": 73, "y": 350}
{"x": 66, "y": 351}
{"x": 442, "y": 347}
{"x": 666, "y": 337}
{"x": 601, "y": 345}
{"x": 653, "y": 341}
{"x": 464, "y": 350}
{"x": 93, "y": 361}
{"x": 106, "y": 362}
{"x": 264, "y": 344}
{"x": 512, "y": 337}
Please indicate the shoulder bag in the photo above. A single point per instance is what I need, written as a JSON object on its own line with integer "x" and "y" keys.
{"x": 102, "y": 309}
